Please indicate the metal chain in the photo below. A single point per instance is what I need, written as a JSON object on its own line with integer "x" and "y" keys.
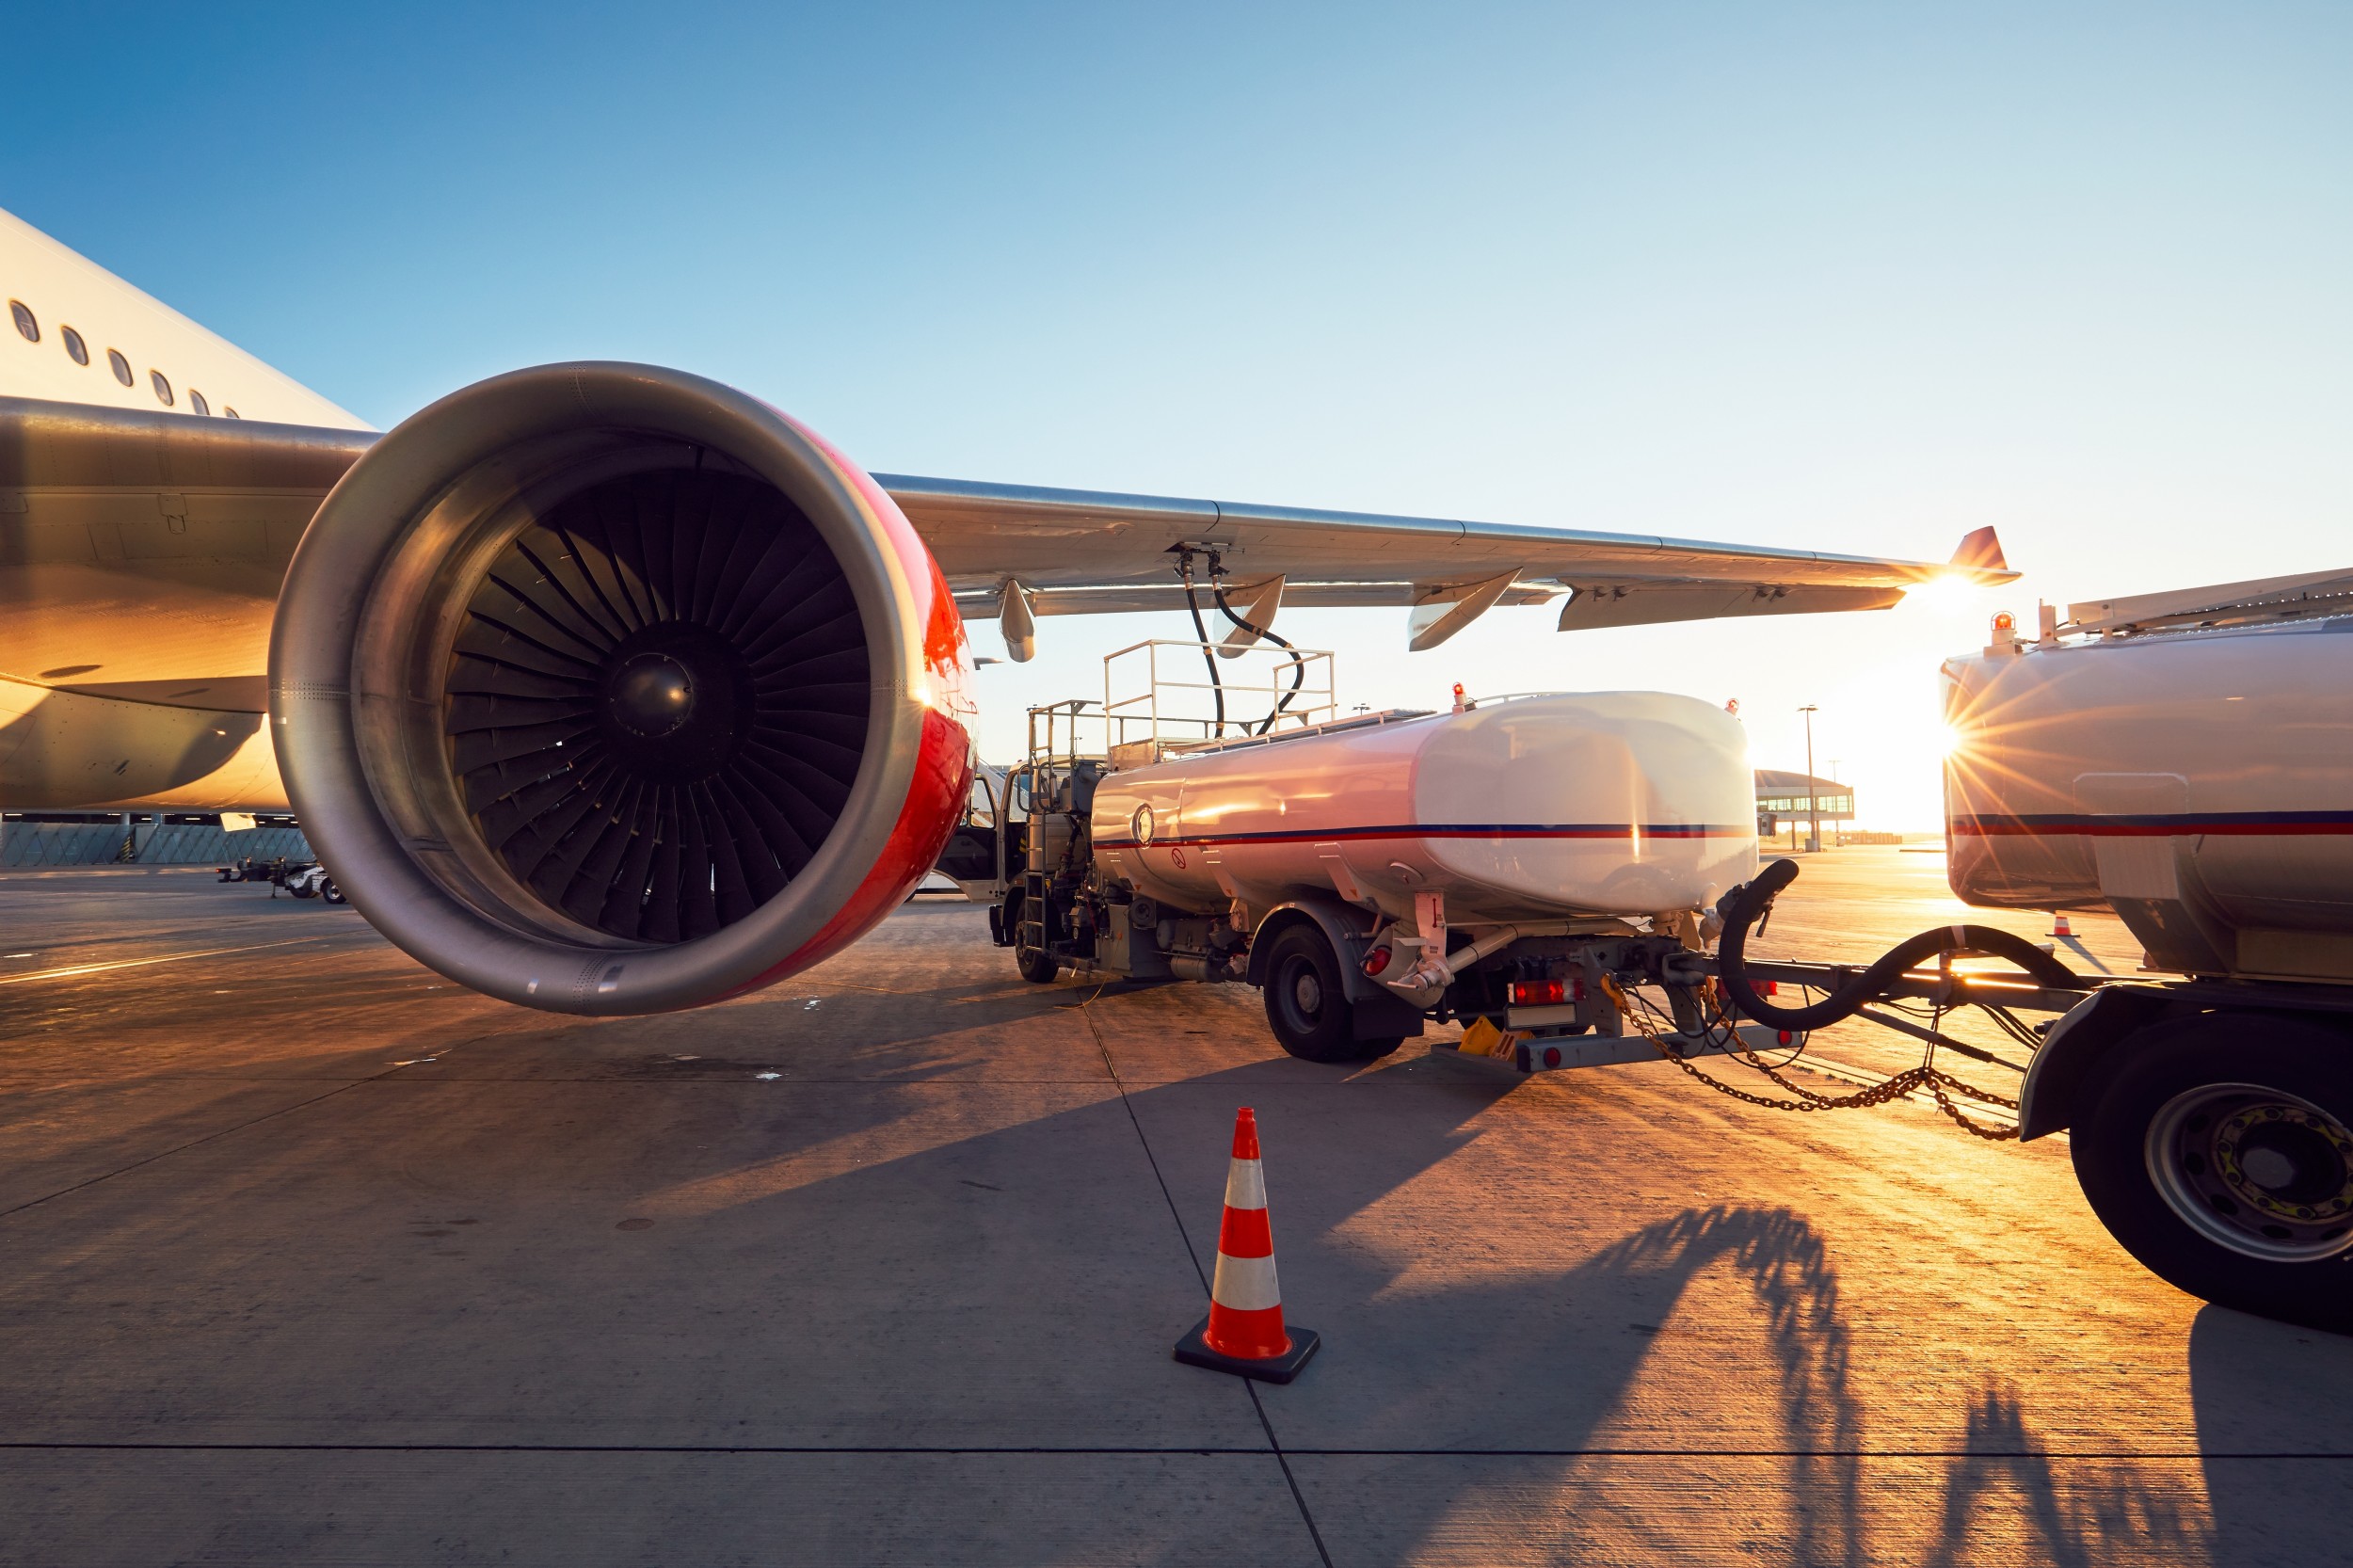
{"x": 1933, "y": 1079}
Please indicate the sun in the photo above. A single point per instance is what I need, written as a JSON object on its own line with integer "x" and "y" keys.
{"x": 1942, "y": 592}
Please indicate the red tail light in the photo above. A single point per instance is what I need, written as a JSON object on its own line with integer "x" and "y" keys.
{"x": 1377, "y": 960}
{"x": 1546, "y": 993}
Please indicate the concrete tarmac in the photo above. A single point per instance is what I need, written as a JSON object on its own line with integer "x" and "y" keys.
{"x": 307, "y": 1256}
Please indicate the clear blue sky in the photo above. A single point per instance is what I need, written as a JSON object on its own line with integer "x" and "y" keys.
{"x": 1856, "y": 277}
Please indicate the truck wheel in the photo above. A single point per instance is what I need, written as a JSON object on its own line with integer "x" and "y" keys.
{"x": 2222, "y": 1156}
{"x": 1305, "y": 1004}
{"x": 1036, "y": 965}
{"x": 331, "y": 893}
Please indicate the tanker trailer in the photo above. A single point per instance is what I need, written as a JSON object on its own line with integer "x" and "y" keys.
{"x": 2186, "y": 761}
{"x": 1494, "y": 863}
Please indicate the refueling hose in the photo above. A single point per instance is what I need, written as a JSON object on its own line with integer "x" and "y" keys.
{"x": 1299, "y": 665}
{"x": 1741, "y": 907}
{"x": 1200, "y": 630}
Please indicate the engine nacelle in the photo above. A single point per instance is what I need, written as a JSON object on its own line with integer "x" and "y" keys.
{"x": 602, "y": 688}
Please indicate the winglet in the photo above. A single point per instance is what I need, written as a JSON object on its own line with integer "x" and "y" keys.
{"x": 1981, "y": 551}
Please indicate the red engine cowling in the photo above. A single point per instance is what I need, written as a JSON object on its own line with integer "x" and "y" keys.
{"x": 602, "y": 688}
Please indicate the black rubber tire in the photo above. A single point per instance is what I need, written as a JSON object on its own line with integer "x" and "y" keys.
{"x": 331, "y": 893}
{"x": 302, "y": 892}
{"x": 1035, "y": 965}
{"x": 1373, "y": 1051}
{"x": 2109, "y": 1146}
{"x": 1304, "y": 1003}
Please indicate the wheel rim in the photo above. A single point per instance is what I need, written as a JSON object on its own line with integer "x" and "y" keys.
{"x": 2256, "y": 1170}
{"x": 1303, "y": 991}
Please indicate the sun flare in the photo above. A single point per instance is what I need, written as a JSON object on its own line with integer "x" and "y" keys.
{"x": 1942, "y": 592}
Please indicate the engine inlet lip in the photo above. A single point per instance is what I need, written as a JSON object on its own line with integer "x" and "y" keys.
{"x": 349, "y": 660}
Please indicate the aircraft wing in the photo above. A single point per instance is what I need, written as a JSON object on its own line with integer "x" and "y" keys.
{"x": 162, "y": 539}
{"x": 140, "y": 552}
{"x": 1052, "y": 552}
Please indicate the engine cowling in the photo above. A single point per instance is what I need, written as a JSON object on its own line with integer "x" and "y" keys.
{"x": 602, "y": 688}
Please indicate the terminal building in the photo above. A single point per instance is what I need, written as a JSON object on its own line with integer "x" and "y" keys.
{"x": 1781, "y": 803}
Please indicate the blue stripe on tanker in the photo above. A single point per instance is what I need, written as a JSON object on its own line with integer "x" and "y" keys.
{"x": 1450, "y": 830}
{"x": 1984, "y": 825}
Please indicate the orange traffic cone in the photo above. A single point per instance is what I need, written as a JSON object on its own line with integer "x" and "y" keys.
{"x": 1243, "y": 1332}
{"x": 2060, "y": 926}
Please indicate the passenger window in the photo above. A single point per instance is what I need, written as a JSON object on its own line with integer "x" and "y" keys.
{"x": 163, "y": 387}
{"x": 980, "y": 810}
{"x": 25, "y": 322}
{"x": 75, "y": 348}
{"x": 121, "y": 366}
{"x": 197, "y": 403}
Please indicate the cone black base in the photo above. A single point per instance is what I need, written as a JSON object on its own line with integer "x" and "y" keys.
{"x": 1194, "y": 1349}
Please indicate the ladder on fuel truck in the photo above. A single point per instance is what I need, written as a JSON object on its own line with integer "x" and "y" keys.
{"x": 1162, "y": 697}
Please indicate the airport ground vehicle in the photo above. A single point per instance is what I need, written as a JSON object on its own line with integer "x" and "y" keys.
{"x": 2184, "y": 760}
{"x": 2187, "y": 759}
{"x": 302, "y": 879}
{"x": 1516, "y": 863}
{"x": 312, "y": 881}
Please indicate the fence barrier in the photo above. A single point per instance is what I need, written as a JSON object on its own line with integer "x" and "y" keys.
{"x": 29, "y": 844}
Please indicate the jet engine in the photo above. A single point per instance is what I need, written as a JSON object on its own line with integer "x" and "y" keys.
{"x": 606, "y": 689}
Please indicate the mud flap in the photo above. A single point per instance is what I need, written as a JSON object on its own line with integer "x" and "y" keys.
{"x": 1380, "y": 1016}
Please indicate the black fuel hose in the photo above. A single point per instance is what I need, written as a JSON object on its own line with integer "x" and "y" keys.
{"x": 1201, "y": 629}
{"x": 1299, "y": 665}
{"x": 1741, "y": 907}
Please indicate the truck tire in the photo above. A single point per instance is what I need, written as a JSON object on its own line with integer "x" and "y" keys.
{"x": 2220, "y": 1154}
{"x": 1305, "y": 1005}
{"x": 331, "y": 893}
{"x": 1036, "y": 965}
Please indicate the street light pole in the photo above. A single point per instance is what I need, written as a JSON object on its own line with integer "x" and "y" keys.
{"x": 1812, "y": 815}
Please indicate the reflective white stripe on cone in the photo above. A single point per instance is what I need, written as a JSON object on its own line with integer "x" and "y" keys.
{"x": 1246, "y": 1284}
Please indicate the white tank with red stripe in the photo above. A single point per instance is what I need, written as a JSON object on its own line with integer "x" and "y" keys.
{"x": 1553, "y": 807}
{"x": 2200, "y": 777}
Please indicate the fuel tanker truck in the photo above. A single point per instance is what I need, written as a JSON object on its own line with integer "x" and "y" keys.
{"x": 2185, "y": 759}
{"x": 1368, "y": 874}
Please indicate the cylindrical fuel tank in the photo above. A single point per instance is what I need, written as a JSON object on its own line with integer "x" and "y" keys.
{"x": 2202, "y": 779}
{"x": 1602, "y": 803}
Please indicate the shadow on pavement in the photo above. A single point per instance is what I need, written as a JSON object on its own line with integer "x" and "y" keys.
{"x": 2076, "y": 1525}
{"x": 2265, "y": 1392}
{"x": 866, "y": 1265}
